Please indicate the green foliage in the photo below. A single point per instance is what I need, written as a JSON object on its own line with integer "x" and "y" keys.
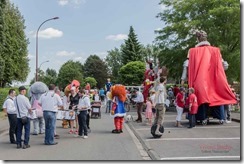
{"x": 50, "y": 77}
{"x": 131, "y": 51}
{"x": 113, "y": 61}
{"x": 13, "y": 45}
{"x": 219, "y": 18}
{"x": 4, "y": 94}
{"x": 95, "y": 67}
{"x": 132, "y": 73}
{"x": 69, "y": 71}
{"x": 92, "y": 81}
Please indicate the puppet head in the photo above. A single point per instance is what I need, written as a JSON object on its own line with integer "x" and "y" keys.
{"x": 119, "y": 91}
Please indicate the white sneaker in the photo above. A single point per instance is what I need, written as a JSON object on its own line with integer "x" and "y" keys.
{"x": 85, "y": 137}
{"x": 158, "y": 133}
{"x": 227, "y": 122}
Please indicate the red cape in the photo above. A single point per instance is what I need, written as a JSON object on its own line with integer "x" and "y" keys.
{"x": 206, "y": 75}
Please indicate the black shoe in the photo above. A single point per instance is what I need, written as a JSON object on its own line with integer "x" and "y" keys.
{"x": 26, "y": 146}
{"x": 18, "y": 146}
{"x": 121, "y": 131}
{"x": 57, "y": 136}
{"x": 13, "y": 142}
{"x": 35, "y": 134}
{"x": 55, "y": 143}
{"x": 189, "y": 127}
{"x": 115, "y": 131}
{"x": 138, "y": 121}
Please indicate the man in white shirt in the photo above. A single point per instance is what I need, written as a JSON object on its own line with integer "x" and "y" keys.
{"x": 9, "y": 108}
{"x": 23, "y": 107}
{"x": 139, "y": 104}
{"x": 83, "y": 106}
{"x": 159, "y": 102}
{"x": 50, "y": 102}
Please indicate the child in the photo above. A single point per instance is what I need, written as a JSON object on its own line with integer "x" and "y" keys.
{"x": 148, "y": 114}
{"x": 193, "y": 106}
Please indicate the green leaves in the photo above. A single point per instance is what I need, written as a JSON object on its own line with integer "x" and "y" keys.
{"x": 219, "y": 18}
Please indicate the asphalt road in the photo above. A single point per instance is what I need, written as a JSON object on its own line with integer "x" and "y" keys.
{"x": 101, "y": 145}
{"x": 209, "y": 142}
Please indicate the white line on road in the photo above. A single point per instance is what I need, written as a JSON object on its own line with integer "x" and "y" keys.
{"x": 207, "y": 127}
{"x": 197, "y": 158}
{"x": 139, "y": 146}
{"x": 179, "y": 139}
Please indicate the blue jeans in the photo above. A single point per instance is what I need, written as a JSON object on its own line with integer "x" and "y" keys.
{"x": 20, "y": 126}
{"x": 82, "y": 123}
{"x": 50, "y": 123}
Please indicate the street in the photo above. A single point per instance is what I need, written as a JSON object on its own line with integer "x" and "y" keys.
{"x": 210, "y": 142}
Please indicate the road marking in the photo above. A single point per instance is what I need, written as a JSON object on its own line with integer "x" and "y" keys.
{"x": 139, "y": 146}
{"x": 215, "y": 127}
{"x": 180, "y": 139}
{"x": 197, "y": 158}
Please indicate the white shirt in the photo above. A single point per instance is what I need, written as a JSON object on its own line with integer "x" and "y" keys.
{"x": 65, "y": 103}
{"x": 23, "y": 106}
{"x": 160, "y": 94}
{"x": 139, "y": 97}
{"x": 84, "y": 102}
{"x": 9, "y": 105}
{"x": 50, "y": 101}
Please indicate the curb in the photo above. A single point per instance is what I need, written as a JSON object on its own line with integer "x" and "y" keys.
{"x": 152, "y": 154}
{"x": 236, "y": 120}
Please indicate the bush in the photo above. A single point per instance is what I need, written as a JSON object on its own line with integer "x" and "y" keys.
{"x": 4, "y": 94}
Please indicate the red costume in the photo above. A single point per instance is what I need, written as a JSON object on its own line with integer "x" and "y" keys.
{"x": 206, "y": 75}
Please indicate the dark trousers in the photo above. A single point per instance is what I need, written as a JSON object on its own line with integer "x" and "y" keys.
{"x": 12, "y": 118}
{"x": 82, "y": 123}
{"x": 88, "y": 120}
{"x": 192, "y": 120}
{"x": 139, "y": 110}
{"x": 20, "y": 126}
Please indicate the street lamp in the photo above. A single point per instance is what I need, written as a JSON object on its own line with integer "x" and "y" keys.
{"x": 42, "y": 63}
{"x": 36, "y": 79}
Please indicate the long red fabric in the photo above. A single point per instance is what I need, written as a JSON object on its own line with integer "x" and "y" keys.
{"x": 206, "y": 75}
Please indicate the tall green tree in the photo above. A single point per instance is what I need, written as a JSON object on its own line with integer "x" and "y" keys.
{"x": 2, "y": 62}
{"x": 219, "y": 18}
{"x": 50, "y": 77}
{"x": 95, "y": 67}
{"x": 113, "y": 61}
{"x": 68, "y": 72}
{"x": 132, "y": 73}
{"x": 132, "y": 49}
{"x": 15, "y": 43}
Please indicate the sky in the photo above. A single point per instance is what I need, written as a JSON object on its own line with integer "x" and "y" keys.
{"x": 84, "y": 27}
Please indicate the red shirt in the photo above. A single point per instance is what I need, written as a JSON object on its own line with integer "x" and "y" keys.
{"x": 179, "y": 98}
{"x": 193, "y": 101}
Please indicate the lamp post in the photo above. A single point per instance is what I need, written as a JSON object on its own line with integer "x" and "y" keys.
{"x": 42, "y": 63}
{"x": 37, "y": 44}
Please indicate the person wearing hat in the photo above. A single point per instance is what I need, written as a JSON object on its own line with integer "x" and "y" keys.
{"x": 24, "y": 110}
{"x": 206, "y": 74}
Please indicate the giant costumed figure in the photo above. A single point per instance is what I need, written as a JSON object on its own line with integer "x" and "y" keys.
{"x": 118, "y": 111}
{"x": 205, "y": 70}
{"x": 35, "y": 92}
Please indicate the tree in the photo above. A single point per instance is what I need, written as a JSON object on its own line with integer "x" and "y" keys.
{"x": 132, "y": 49}
{"x": 95, "y": 67}
{"x": 219, "y": 18}
{"x": 113, "y": 61}
{"x": 132, "y": 73}
{"x": 2, "y": 63}
{"x": 15, "y": 42}
{"x": 50, "y": 77}
{"x": 70, "y": 71}
{"x": 92, "y": 81}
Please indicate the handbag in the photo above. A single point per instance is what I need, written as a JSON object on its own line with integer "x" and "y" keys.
{"x": 24, "y": 119}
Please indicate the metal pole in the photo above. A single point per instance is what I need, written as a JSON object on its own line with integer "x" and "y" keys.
{"x": 36, "y": 79}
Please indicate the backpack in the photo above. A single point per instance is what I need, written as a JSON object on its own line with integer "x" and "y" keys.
{"x": 39, "y": 111}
